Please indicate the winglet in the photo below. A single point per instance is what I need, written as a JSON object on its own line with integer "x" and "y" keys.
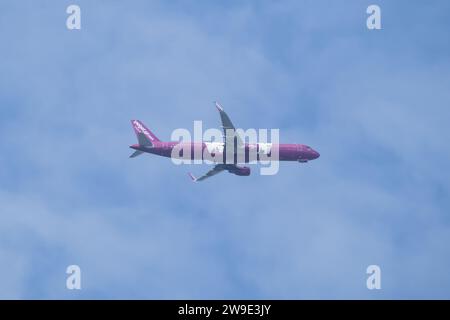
{"x": 218, "y": 106}
{"x": 192, "y": 177}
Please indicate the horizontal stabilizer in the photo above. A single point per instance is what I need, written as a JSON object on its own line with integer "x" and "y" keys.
{"x": 136, "y": 153}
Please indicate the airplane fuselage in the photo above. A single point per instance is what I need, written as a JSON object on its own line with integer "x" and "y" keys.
{"x": 208, "y": 150}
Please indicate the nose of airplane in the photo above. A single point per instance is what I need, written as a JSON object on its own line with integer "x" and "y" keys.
{"x": 315, "y": 154}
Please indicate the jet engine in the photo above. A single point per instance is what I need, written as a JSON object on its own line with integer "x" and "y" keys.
{"x": 240, "y": 171}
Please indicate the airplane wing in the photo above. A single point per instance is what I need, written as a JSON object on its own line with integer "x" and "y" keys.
{"x": 228, "y": 127}
{"x": 217, "y": 169}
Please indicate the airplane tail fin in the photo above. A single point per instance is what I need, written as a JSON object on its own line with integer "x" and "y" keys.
{"x": 144, "y": 135}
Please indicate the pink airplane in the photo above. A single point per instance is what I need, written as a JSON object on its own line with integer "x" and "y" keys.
{"x": 149, "y": 143}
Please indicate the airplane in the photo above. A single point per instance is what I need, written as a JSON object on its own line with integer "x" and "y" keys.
{"x": 149, "y": 143}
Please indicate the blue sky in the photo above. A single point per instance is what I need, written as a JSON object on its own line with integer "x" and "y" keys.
{"x": 375, "y": 104}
